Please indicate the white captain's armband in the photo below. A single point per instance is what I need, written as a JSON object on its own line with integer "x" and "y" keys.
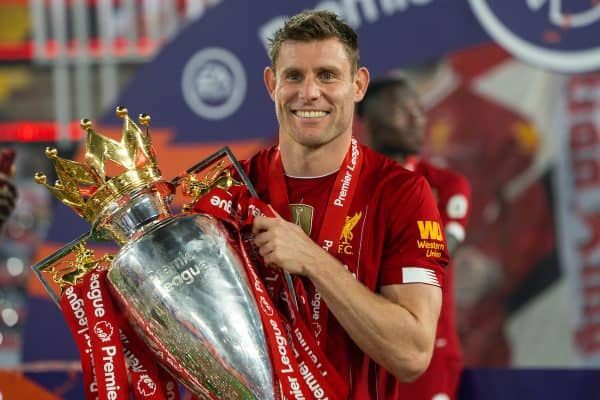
{"x": 419, "y": 275}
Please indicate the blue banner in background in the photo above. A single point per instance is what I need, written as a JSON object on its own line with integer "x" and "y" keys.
{"x": 207, "y": 84}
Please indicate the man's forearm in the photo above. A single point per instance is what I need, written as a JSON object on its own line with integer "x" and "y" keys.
{"x": 396, "y": 335}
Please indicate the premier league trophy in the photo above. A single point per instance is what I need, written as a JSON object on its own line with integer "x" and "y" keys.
{"x": 178, "y": 279}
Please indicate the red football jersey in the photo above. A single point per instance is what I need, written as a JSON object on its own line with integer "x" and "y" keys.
{"x": 393, "y": 235}
{"x": 453, "y": 194}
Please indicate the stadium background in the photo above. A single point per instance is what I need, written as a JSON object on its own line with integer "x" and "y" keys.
{"x": 521, "y": 125}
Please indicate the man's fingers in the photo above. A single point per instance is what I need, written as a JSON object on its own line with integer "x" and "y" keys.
{"x": 7, "y": 184}
{"x": 8, "y": 197}
{"x": 262, "y": 223}
{"x": 12, "y": 189}
{"x": 8, "y": 191}
{"x": 265, "y": 249}
{"x": 261, "y": 238}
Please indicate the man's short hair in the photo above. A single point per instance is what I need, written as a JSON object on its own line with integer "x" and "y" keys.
{"x": 313, "y": 25}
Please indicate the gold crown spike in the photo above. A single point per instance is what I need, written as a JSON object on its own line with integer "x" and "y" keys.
{"x": 71, "y": 176}
{"x": 144, "y": 119}
{"x": 85, "y": 187}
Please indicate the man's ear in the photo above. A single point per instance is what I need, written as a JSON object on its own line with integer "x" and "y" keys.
{"x": 361, "y": 82}
{"x": 270, "y": 81}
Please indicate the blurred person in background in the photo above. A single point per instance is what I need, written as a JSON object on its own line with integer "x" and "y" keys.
{"x": 394, "y": 121}
{"x": 8, "y": 191}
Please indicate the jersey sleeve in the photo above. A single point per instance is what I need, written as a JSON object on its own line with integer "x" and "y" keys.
{"x": 454, "y": 202}
{"x": 415, "y": 244}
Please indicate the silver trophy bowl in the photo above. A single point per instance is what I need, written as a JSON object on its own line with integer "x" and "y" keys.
{"x": 185, "y": 291}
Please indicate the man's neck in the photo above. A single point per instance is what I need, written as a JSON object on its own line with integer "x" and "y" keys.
{"x": 302, "y": 161}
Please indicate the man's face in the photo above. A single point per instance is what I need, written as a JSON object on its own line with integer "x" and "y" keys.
{"x": 396, "y": 121}
{"x": 314, "y": 91}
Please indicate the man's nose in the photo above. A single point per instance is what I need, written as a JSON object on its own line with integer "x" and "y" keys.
{"x": 310, "y": 89}
{"x": 418, "y": 117}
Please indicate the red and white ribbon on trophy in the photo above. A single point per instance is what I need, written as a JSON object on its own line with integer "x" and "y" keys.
{"x": 301, "y": 367}
{"x": 113, "y": 359}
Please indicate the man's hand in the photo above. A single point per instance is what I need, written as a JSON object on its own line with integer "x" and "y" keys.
{"x": 285, "y": 245}
{"x": 8, "y": 191}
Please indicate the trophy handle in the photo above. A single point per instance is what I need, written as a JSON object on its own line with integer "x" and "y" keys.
{"x": 43, "y": 265}
{"x": 226, "y": 152}
{"x": 223, "y": 152}
{"x": 75, "y": 270}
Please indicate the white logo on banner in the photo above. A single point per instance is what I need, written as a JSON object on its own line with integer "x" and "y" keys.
{"x": 564, "y": 60}
{"x": 214, "y": 83}
{"x": 146, "y": 386}
{"x": 104, "y": 330}
{"x": 355, "y": 13}
{"x": 558, "y": 17}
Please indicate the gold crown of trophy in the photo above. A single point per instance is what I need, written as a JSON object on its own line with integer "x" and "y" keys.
{"x": 178, "y": 279}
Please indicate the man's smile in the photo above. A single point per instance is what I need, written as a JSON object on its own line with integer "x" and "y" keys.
{"x": 310, "y": 113}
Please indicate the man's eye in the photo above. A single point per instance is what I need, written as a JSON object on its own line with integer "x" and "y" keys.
{"x": 327, "y": 76}
{"x": 293, "y": 77}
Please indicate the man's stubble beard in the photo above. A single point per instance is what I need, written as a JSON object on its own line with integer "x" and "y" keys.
{"x": 329, "y": 134}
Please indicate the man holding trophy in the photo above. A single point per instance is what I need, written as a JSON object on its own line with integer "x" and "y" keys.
{"x": 366, "y": 234}
{"x": 229, "y": 296}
